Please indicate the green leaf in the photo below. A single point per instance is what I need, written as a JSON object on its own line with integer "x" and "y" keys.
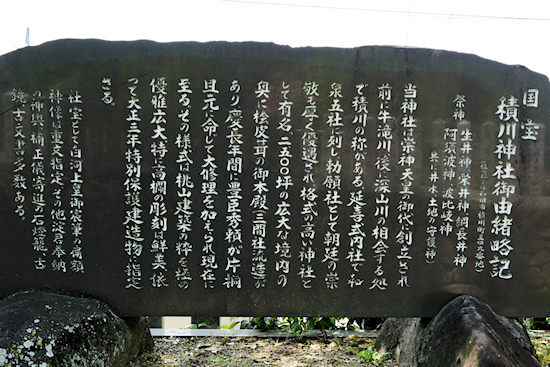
{"x": 230, "y": 326}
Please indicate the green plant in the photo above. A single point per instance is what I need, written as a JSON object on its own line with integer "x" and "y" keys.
{"x": 367, "y": 354}
{"x": 298, "y": 325}
{"x": 527, "y": 322}
{"x": 202, "y": 325}
{"x": 371, "y": 355}
{"x": 531, "y": 323}
{"x": 262, "y": 323}
{"x": 233, "y": 324}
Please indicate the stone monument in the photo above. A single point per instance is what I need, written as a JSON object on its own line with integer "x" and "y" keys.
{"x": 256, "y": 179}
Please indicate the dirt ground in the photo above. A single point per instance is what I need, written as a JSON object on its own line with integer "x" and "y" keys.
{"x": 541, "y": 341}
{"x": 249, "y": 351}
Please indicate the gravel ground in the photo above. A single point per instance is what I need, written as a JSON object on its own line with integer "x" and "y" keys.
{"x": 251, "y": 351}
{"x": 247, "y": 351}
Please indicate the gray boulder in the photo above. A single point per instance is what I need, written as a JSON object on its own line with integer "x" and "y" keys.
{"x": 466, "y": 332}
{"x": 45, "y": 329}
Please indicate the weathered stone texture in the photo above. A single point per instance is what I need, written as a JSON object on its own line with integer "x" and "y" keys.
{"x": 466, "y": 332}
{"x": 44, "y": 329}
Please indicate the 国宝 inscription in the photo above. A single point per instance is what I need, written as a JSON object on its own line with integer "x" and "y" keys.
{"x": 255, "y": 179}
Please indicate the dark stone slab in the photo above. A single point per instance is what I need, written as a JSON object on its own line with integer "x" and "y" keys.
{"x": 256, "y": 179}
{"x": 466, "y": 332}
{"x": 45, "y": 329}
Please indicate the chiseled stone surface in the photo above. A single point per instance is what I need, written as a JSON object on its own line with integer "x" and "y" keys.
{"x": 466, "y": 332}
{"x": 45, "y": 329}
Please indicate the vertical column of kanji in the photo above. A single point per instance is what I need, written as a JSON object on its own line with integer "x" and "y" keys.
{"x": 464, "y": 179}
{"x": 332, "y": 182}
{"x": 433, "y": 209}
{"x": 405, "y": 207}
{"x": 209, "y": 183}
{"x": 505, "y": 187}
{"x": 184, "y": 185}
{"x": 449, "y": 174}
{"x": 19, "y": 180}
{"x": 357, "y": 234}
{"x": 284, "y": 181}
{"x": 530, "y": 129}
{"x": 133, "y": 221}
{"x": 157, "y": 208}
{"x": 233, "y": 218}
{"x": 57, "y": 182}
{"x": 307, "y": 193}
{"x": 77, "y": 197}
{"x": 39, "y": 177}
{"x": 481, "y": 217}
{"x": 380, "y": 232}
{"x": 260, "y": 175}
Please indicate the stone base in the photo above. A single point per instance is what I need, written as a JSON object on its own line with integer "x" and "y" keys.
{"x": 46, "y": 329}
{"x": 466, "y": 332}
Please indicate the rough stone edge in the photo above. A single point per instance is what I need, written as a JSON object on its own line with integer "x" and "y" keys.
{"x": 468, "y": 307}
{"x": 141, "y": 342}
{"x": 393, "y": 339}
{"x": 135, "y": 337}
